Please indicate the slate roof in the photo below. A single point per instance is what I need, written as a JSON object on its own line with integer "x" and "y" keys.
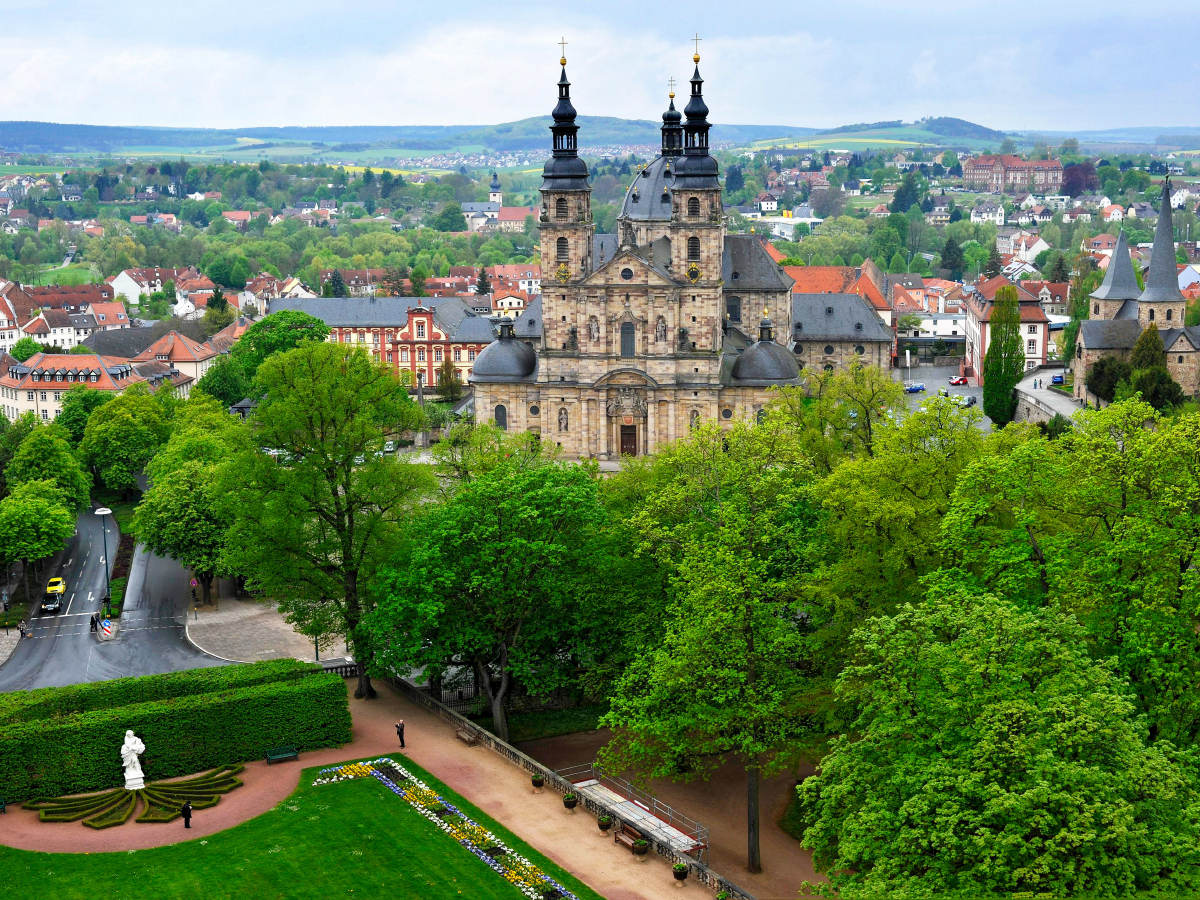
{"x": 1119, "y": 281}
{"x": 505, "y": 360}
{"x": 648, "y": 197}
{"x": 529, "y": 324}
{"x": 1109, "y": 334}
{"x": 604, "y": 248}
{"x": 1162, "y": 282}
{"x": 746, "y": 258}
{"x": 812, "y": 320}
{"x": 451, "y": 314}
{"x": 488, "y": 207}
{"x": 122, "y": 342}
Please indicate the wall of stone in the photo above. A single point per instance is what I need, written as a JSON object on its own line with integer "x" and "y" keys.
{"x": 845, "y": 353}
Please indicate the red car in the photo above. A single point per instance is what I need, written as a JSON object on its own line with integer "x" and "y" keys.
{"x": 958, "y": 379}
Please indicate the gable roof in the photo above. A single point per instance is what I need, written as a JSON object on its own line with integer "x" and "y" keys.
{"x": 747, "y": 266}
{"x": 821, "y": 279}
{"x": 176, "y": 347}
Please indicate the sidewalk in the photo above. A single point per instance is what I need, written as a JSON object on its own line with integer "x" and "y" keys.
{"x": 1053, "y": 400}
{"x": 243, "y": 630}
{"x": 486, "y": 779}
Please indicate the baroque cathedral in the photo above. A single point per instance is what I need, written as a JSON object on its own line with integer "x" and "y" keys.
{"x": 640, "y": 337}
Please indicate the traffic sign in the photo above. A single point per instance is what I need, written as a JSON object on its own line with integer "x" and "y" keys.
{"x": 194, "y": 582}
{"x": 107, "y": 626}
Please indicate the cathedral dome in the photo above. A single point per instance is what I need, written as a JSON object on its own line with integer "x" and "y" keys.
{"x": 765, "y": 362}
{"x": 505, "y": 359}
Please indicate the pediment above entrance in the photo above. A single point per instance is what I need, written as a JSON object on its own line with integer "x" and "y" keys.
{"x": 627, "y": 269}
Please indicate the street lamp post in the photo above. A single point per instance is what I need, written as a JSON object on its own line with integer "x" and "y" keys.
{"x": 102, "y": 512}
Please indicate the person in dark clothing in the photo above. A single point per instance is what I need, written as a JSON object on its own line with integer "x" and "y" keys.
{"x": 187, "y": 814}
{"x": 95, "y": 621}
{"x": 400, "y": 732}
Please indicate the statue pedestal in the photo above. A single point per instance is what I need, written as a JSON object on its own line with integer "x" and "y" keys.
{"x": 135, "y": 783}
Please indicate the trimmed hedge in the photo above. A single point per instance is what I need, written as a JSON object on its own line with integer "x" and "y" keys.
{"x": 50, "y": 757}
{"x": 56, "y": 702}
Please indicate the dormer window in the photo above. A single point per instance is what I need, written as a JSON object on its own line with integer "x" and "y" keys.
{"x": 829, "y": 310}
{"x": 858, "y": 326}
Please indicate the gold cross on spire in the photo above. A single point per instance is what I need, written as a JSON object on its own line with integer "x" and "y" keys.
{"x": 563, "y": 44}
{"x": 671, "y": 85}
{"x": 696, "y": 40}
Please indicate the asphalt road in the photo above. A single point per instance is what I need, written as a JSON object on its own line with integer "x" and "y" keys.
{"x": 939, "y": 377}
{"x": 63, "y": 650}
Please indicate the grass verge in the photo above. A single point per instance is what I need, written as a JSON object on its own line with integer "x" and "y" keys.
{"x": 332, "y": 840}
{"x": 122, "y": 508}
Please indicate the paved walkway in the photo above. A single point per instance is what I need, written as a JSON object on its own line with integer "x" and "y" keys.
{"x": 571, "y": 839}
{"x": 248, "y": 631}
{"x": 1059, "y": 403}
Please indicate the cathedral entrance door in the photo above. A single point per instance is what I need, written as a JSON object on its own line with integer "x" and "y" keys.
{"x": 629, "y": 442}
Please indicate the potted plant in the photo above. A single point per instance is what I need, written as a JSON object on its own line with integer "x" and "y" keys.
{"x": 641, "y": 847}
{"x": 570, "y": 801}
{"x": 679, "y": 870}
{"x": 605, "y": 823}
{"x": 538, "y": 780}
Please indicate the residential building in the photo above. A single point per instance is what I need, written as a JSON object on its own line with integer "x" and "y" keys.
{"x": 979, "y": 303}
{"x": 110, "y": 315}
{"x": 1113, "y": 213}
{"x": 1004, "y": 173}
{"x": 39, "y": 384}
{"x": 1055, "y": 297}
{"x": 182, "y": 353}
{"x": 988, "y": 212}
{"x": 132, "y": 283}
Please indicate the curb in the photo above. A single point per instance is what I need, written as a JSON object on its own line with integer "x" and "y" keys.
{"x": 187, "y": 632}
{"x": 116, "y": 630}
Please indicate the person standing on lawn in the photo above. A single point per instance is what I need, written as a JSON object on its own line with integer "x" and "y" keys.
{"x": 187, "y": 813}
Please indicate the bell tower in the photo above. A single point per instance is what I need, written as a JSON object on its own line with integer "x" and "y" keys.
{"x": 565, "y": 220}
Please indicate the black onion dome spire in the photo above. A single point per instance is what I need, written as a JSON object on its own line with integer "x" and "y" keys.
{"x": 672, "y": 130}
{"x": 564, "y": 170}
{"x": 1162, "y": 281}
{"x": 698, "y": 167}
{"x": 495, "y": 185}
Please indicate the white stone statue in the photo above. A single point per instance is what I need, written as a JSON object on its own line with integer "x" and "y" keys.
{"x": 134, "y": 779}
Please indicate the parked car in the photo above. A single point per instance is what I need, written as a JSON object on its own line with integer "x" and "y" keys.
{"x": 389, "y": 446}
{"x": 55, "y": 589}
{"x": 1056, "y": 379}
{"x": 914, "y": 387}
{"x": 958, "y": 379}
{"x": 943, "y": 392}
{"x": 965, "y": 401}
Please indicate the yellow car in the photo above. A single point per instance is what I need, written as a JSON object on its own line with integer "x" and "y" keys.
{"x": 55, "y": 588}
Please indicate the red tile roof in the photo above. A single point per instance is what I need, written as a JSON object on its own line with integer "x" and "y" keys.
{"x": 821, "y": 279}
{"x": 176, "y": 347}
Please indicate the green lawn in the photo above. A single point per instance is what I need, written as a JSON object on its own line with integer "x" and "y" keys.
{"x": 353, "y": 837}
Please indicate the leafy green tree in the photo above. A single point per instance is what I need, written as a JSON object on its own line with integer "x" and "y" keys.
{"x": 1157, "y": 387}
{"x": 1059, "y": 273}
{"x": 25, "y": 348}
{"x": 728, "y": 513}
{"x": 179, "y": 516}
{"x": 994, "y": 265}
{"x": 494, "y": 579}
{"x": 123, "y": 435}
{"x": 987, "y": 732}
{"x": 314, "y": 504}
{"x": 45, "y": 456}
{"x": 77, "y": 406}
{"x": 449, "y": 218}
{"x": 1148, "y": 352}
{"x": 952, "y": 258}
{"x": 226, "y": 381}
{"x": 12, "y": 435}
{"x": 897, "y": 266}
{"x": 216, "y": 318}
{"x": 277, "y": 333}
{"x": 417, "y": 278}
{"x": 449, "y": 383}
{"x": 392, "y": 283}
{"x": 1005, "y": 359}
{"x": 34, "y": 525}
{"x": 217, "y": 301}
{"x": 1105, "y": 374}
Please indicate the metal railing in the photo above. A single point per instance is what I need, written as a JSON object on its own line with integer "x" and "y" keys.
{"x": 690, "y": 827}
{"x": 697, "y": 870}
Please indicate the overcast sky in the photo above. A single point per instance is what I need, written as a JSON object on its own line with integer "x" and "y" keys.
{"x": 1050, "y": 64}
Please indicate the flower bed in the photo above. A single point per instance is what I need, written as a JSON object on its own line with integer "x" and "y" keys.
{"x": 512, "y": 867}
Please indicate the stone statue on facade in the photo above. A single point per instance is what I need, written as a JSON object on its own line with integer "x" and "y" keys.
{"x": 134, "y": 778}
{"x": 660, "y": 330}
{"x": 594, "y": 328}
{"x": 562, "y": 419}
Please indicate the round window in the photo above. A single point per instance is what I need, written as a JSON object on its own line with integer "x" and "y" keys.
{"x": 799, "y": 349}
{"x": 533, "y": 410}
{"x": 860, "y": 349}
{"x": 828, "y": 368}
{"x": 627, "y": 274}
{"x": 828, "y": 349}
{"x": 727, "y": 414}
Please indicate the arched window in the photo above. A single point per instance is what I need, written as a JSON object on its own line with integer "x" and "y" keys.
{"x": 560, "y": 208}
{"x": 693, "y": 206}
{"x": 1169, "y": 315}
{"x": 627, "y": 339}
{"x": 563, "y": 249}
{"x": 762, "y": 414}
{"x": 1151, "y": 315}
{"x": 501, "y": 417}
{"x": 693, "y": 249}
{"x": 733, "y": 308}
{"x": 1096, "y": 310}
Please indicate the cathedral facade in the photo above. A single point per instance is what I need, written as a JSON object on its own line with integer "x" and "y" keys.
{"x": 641, "y": 331}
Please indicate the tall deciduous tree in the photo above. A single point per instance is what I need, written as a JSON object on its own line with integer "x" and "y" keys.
{"x": 277, "y": 333}
{"x": 45, "y": 455}
{"x": 495, "y": 579}
{"x": 987, "y": 732}
{"x": 449, "y": 383}
{"x": 315, "y": 517}
{"x": 226, "y": 381}
{"x": 952, "y": 258}
{"x": 124, "y": 434}
{"x": 24, "y": 348}
{"x": 729, "y": 513}
{"x": 1005, "y": 359}
{"x": 34, "y": 524}
{"x": 77, "y": 407}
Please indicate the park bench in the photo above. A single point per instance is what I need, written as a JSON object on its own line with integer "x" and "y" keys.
{"x": 3, "y": 806}
{"x": 627, "y": 835}
{"x": 467, "y": 737}
{"x": 275, "y": 754}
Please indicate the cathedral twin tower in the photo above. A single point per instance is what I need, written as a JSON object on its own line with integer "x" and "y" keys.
{"x": 626, "y": 348}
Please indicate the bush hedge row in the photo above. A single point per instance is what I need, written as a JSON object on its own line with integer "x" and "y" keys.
{"x": 55, "y": 702}
{"x": 51, "y": 757}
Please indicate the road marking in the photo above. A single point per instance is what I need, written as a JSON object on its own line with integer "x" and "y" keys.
{"x": 71, "y": 560}
{"x": 89, "y": 595}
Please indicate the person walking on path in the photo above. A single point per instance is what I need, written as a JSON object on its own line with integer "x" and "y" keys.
{"x": 21, "y": 626}
{"x": 95, "y": 620}
{"x": 187, "y": 813}
{"x": 400, "y": 732}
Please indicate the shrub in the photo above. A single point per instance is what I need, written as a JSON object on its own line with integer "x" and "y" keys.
{"x": 57, "y": 756}
{"x": 56, "y": 702}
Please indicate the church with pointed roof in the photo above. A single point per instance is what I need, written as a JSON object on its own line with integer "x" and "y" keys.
{"x": 641, "y": 337}
{"x": 1121, "y": 311}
